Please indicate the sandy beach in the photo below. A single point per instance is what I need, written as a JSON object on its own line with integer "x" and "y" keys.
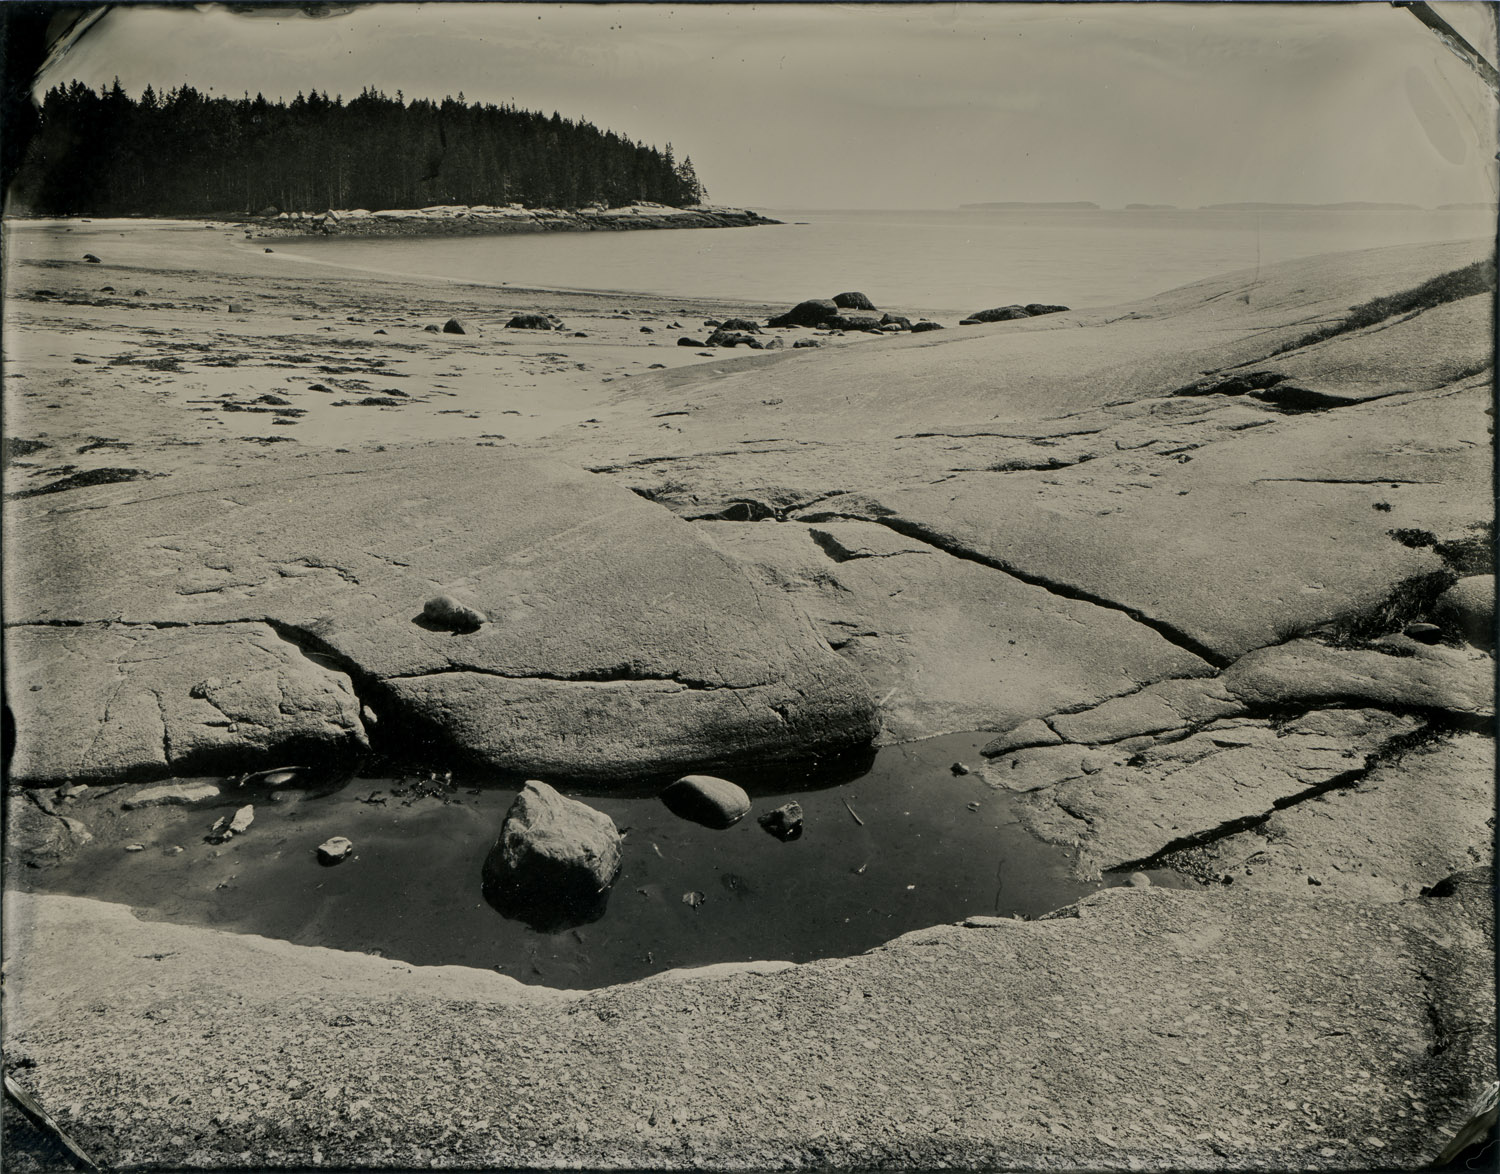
{"x": 1207, "y": 577}
{"x": 183, "y": 318}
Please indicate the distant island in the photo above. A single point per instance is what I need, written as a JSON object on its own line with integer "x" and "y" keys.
{"x": 1151, "y": 207}
{"x": 1345, "y": 206}
{"x": 1071, "y": 206}
{"x": 185, "y": 153}
{"x": 1480, "y": 206}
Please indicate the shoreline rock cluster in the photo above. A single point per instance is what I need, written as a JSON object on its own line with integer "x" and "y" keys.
{"x": 466, "y": 220}
{"x": 850, "y": 312}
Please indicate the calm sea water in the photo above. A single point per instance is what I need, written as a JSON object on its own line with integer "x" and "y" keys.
{"x": 952, "y": 262}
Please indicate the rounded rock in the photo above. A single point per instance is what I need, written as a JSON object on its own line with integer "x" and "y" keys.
{"x": 852, "y": 301}
{"x": 443, "y": 611}
{"x": 713, "y": 802}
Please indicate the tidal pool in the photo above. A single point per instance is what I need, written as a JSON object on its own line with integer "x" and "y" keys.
{"x": 892, "y": 842}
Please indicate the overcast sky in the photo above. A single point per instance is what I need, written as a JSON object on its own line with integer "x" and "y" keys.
{"x": 904, "y": 105}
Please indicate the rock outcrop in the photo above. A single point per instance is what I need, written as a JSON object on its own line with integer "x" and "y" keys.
{"x": 607, "y": 615}
{"x": 1468, "y": 609}
{"x": 533, "y": 322}
{"x": 998, "y": 314}
{"x": 732, "y": 338}
{"x": 813, "y": 312}
{"x": 1306, "y": 1034}
{"x": 135, "y": 702}
{"x": 1012, "y": 313}
{"x": 1178, "y": 773}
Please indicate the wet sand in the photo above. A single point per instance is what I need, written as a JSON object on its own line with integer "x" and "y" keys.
{"x": 187, "y": 345}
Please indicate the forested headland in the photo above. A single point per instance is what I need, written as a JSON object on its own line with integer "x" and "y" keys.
{"x": 185, "y": 153}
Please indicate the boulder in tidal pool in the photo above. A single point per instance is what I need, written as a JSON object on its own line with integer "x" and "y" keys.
{"x": 713, "y": 802}
{"x": 785, "y": 823}
{"x": 333, "y": 850}
{"x": 554, "y": 861}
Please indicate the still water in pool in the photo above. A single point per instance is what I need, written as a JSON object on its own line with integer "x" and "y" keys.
{"x": 890, "y": 844}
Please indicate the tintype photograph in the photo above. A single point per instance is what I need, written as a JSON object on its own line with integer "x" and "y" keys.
{"x": 749, "y": 587}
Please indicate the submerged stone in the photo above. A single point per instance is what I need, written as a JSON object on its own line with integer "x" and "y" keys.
{"x": 713, "y": 802}
{"x": 229, "y": 826}
{"x": 785, "y": 823}
{"x": 176, "y": 794}
{"x": 335, "y": 849}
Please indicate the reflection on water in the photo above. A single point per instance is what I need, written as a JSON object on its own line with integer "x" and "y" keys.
{"x": 890, "y": 843}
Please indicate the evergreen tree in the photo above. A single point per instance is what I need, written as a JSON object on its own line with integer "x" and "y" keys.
{"x": 183, "y": 153}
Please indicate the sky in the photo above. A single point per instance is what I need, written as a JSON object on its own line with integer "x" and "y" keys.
{"x": 924, "y": 105}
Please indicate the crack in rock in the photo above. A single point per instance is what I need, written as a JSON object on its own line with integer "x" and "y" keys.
{"x": 948, "y": 545}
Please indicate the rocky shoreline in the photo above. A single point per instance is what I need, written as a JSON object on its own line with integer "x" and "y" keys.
{"x": 1213, "y": 570}
{"x": 486, "y": 220}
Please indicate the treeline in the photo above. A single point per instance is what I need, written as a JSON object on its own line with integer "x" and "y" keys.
{"x": 184, "y": 153}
